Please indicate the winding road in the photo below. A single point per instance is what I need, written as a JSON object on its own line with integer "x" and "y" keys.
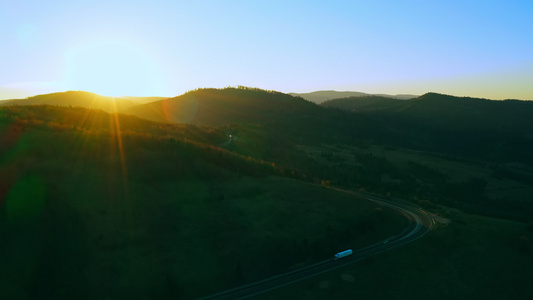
{"x": 420, "y": 223}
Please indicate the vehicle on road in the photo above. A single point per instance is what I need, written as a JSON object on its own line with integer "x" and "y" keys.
{"x": 343, "y": 254}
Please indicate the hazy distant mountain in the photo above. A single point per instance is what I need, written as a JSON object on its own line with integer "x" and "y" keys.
{"x": 321, "y": 96}
{"x": 82, "y": 99}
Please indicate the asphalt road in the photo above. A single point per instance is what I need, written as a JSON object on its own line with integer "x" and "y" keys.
{"x": 231, "y": 139}
{"x": 420, "y": 223}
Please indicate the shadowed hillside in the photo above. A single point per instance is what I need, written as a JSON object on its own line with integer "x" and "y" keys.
{"x": 465, "y": 113}
{"x": 488, "y": 129}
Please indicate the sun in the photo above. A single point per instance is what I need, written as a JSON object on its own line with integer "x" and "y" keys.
{"x": 112, "y": 68}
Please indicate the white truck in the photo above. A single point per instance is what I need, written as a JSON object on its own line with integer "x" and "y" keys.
{"x": 343, "y": 254}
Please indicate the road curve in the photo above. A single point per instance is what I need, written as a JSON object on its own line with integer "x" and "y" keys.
{"x": 420, "y": 223}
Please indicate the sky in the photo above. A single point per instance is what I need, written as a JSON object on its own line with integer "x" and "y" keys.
{"x": 165, "y": 48}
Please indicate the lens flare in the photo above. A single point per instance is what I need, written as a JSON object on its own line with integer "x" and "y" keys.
{"x": 117, "y": 132}
{"x": 112, "y": 68}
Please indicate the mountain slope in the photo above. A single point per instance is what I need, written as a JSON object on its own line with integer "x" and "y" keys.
{"x": 444, "y": 111}
{"x": 363, "y": 103}
{"x": 453, "y": 111}
{"x": 143, "y": 100}
{"x": 499, "y": 130}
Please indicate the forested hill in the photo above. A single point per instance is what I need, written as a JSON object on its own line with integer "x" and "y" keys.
{"x": 488, "y": 129}
{"x": 465, "y": 113}
{"x": 223, "y": 106}
{"x": 444, "y": 111}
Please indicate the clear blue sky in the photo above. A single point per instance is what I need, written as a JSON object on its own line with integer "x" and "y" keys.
{"x": 164, "y": 48}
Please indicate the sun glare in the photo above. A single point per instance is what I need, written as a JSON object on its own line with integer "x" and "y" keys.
{"x": 112, "y": 68}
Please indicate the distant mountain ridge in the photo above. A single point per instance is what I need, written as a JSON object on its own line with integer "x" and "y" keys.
{"x": 82, "y": 99}
{"x": 321, "y": 96}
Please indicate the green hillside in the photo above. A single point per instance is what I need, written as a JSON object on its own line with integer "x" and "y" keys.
{"x": 121, "y": 207}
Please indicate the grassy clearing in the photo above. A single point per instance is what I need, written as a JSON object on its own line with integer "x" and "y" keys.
{"x": 473, "y": 257}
